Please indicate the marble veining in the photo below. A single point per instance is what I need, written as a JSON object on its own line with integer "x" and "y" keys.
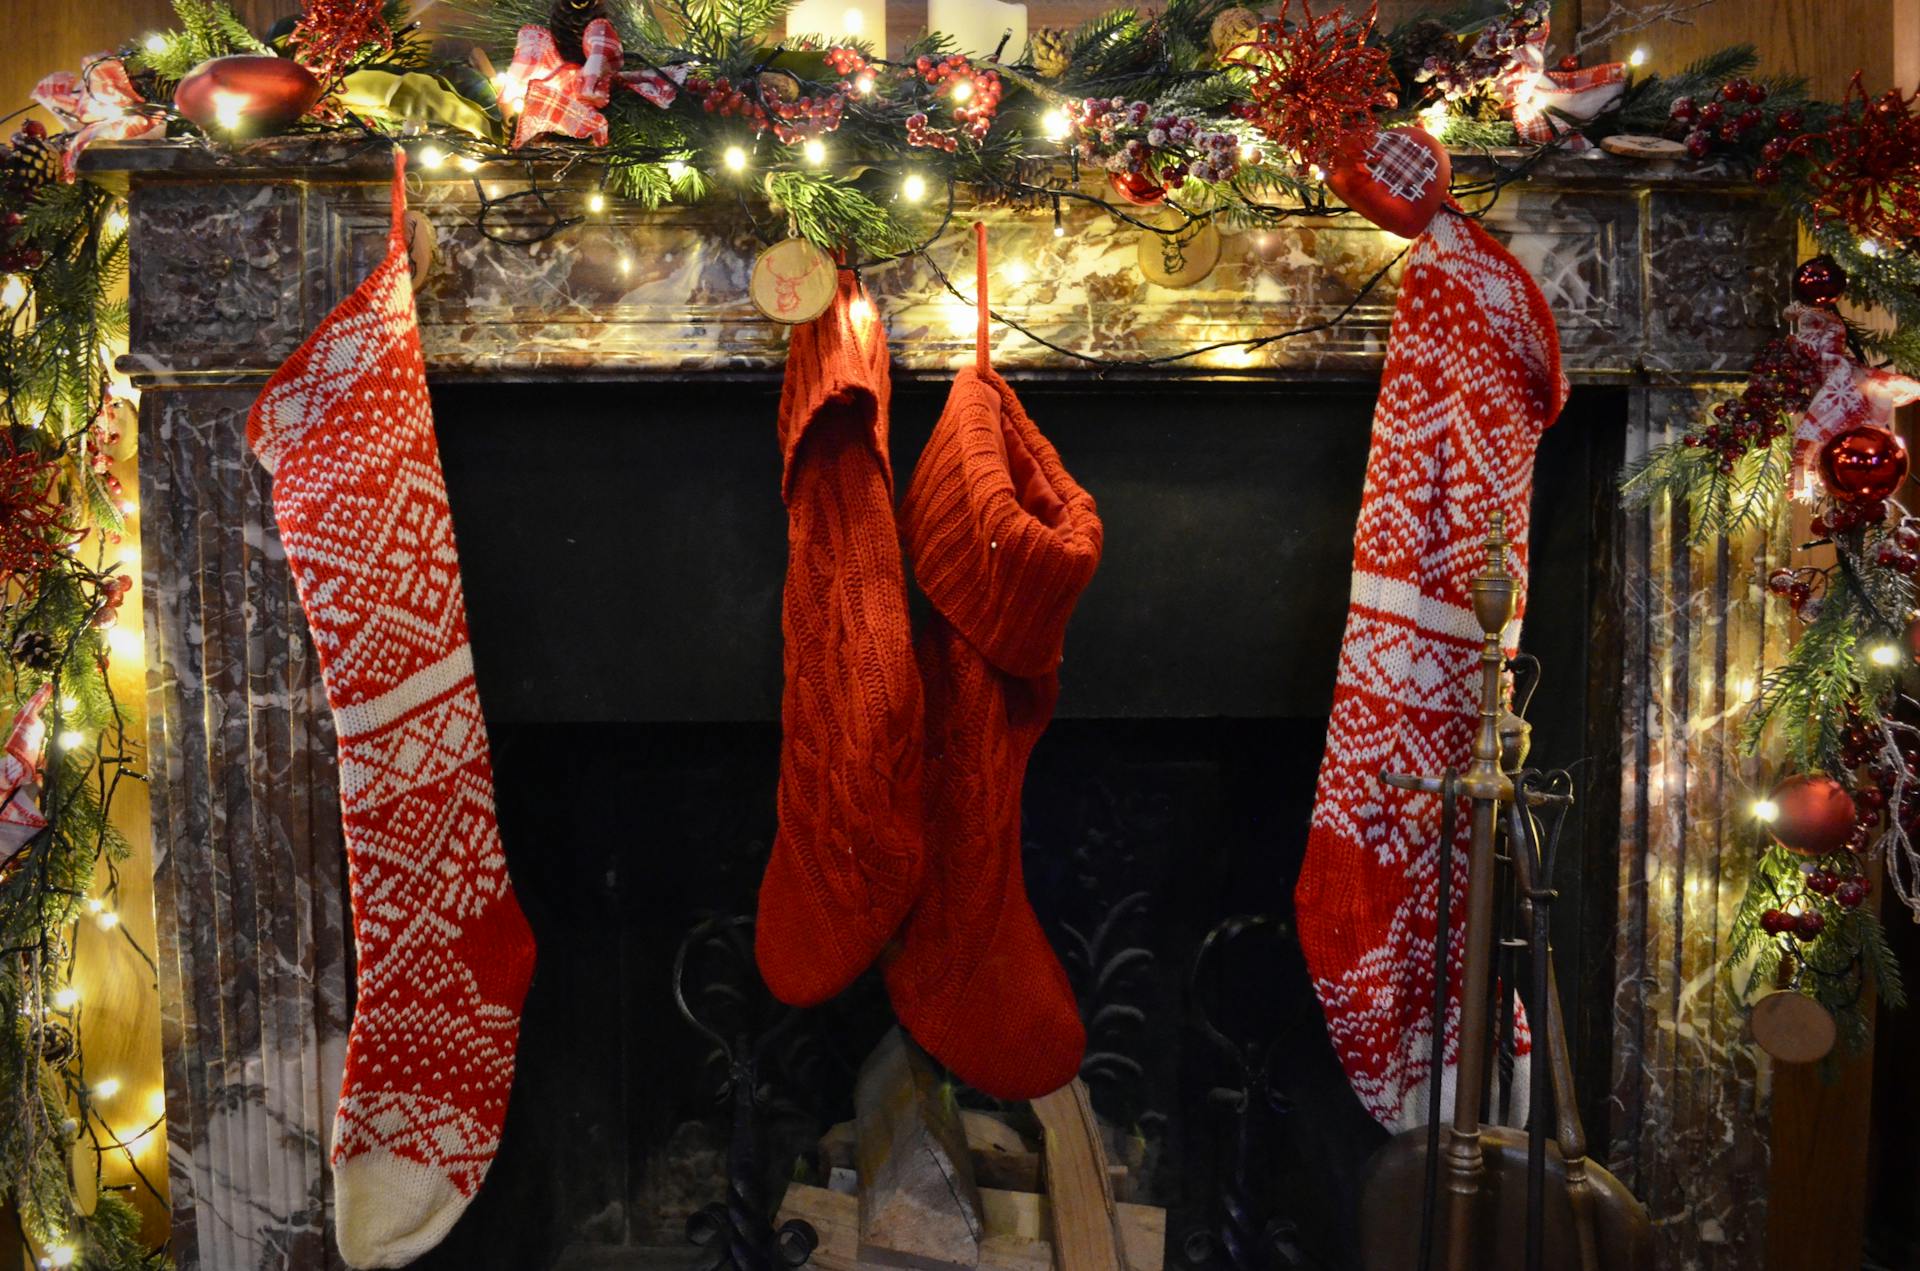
{"x": 1663, "y": 280}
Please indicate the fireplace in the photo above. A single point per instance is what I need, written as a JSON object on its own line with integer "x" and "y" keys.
{"x": 605, "y": 406}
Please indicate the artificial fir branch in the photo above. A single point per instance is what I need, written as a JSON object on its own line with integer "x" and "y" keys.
{"x": 1716, "y": 502}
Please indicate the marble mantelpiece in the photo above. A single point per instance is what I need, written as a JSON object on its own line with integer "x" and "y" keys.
{"x": 1663, "y": 282}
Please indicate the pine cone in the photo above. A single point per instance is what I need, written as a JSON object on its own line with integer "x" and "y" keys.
{"x": 1020, "y": 192}
{"x": 1050, "y": 47}
{"x": 568, "y": 21}
{"x": 56, "y": 1043}
{"x": 36, "y": 650}
{"x": 1232, "y": 28}
{"x": 31, "y": 162}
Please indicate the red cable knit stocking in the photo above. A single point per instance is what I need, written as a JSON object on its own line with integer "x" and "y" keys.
{"x": 443, "y": 954}
{"x": 846, "y": 862}
{"x": 1003, "y": 541}
{"x": 1472, "y": 378}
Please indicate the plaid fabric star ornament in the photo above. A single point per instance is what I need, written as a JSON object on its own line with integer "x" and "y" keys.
{"x": 1850, "y": 394}
{"x": 98, "y": 103}
{"x": 554, "y": 95}
{"x": 1544, "y": 101}
{"x": 20, "y": 814}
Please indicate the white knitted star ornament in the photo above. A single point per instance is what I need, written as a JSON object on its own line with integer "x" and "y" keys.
{"x": 1472, "y": 379}
{"x": 443, "y": 954}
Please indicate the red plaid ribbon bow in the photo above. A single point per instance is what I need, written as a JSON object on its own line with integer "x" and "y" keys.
{"x": 98, "y": 102}
{"x": 1535, "y": 93}
{"x": 557, "y": 96}
{"x": 1850, "y": 395}
{"x": 20, "y": 814}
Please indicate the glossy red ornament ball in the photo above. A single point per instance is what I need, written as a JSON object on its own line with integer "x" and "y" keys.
{"x": 1819, "y": 281}
{"x": 246, "y": 94}
{"x": 1137, "y": 188}
{"x": 1863, "y": 465}
{"x": 1814, "y": 814}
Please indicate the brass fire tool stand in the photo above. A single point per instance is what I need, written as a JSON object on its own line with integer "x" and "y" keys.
{"x": 1573, "y": 1212}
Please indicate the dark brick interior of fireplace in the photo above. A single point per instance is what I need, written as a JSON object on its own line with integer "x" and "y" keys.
{"x": 624, "y": 548}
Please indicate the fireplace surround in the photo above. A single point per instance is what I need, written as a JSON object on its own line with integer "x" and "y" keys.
{"x": 553, "y": 358}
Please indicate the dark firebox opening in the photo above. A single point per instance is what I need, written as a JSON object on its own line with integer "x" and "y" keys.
{"x": 626, "y": 631}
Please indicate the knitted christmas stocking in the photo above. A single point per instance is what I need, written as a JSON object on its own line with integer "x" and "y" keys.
{"x": 847, "y": 859}
{"x": 1472, "y": 378}
{"x": 1002, "y": 541}
{"x": 443, "y": 953}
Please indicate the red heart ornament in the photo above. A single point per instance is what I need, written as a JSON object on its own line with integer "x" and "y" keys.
{"x": 1397, "y": 178}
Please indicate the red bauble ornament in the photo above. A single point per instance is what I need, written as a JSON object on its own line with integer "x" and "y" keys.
{"x": 1863, "y": 465}
{"x": 1137, "y": 188}
{"x": 247, "y": 94}
{"x": 1819, "y": 281}
{"x": 1814, "y": 814}
{"x": 1396, "y": 178}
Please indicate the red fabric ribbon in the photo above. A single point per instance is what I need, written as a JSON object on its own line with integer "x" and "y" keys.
{"x": 554, "y": 95}
{"x": 98, "y": 102}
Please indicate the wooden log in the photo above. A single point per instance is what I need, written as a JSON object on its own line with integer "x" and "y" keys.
{"x": 919, "y": 1205}
{"x": 1001, "y": 1157}
{"x": 1086, "y": 1225}
{"x": 1019, "y": 1230}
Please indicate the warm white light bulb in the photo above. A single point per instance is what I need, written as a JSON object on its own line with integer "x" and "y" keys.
{"x": 863, "y": 83}
{"x": 469, "y": 164}
{"x": 1765, "y": 810}
{"x": 852, "y": 22}
{"x": 596, "y": 203}
{"x": 13, "y": 292}
{"x": 914, "y": 188}
{"x": 1637, "y": 58}
{"x": 115, "y": 222}
{"x": 962, "y": 90}
{"x": 735, "y": 158}
{"x": 1884, "y": 654}
{"x": 1870, "y": 247}
{"x": 626, "y": 265}
{"x": 861, "y": 310}
{"x": 1056, "y": 124}
{"x": 60, "y": 1255}
{"x": 71, "y": 738}
{"x": 96, "y": 905}
{"x": 432, "y": 156}
{"x": 676, "y": 170}
{"x": 108, "y": 920}
{"x": 1059, "y": 231}
{"x": 156, "y": 1103}
{"x": 69, "y": 704}
{"x": 815, "y": 151}
{"x": 156, "y": 43}
{"x": 106, "y": 1088}
{"x": 66, "y": 999}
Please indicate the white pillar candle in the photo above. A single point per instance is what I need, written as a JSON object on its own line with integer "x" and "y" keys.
{"x": 977, "y": 26}
{"x": 863, "y": 20}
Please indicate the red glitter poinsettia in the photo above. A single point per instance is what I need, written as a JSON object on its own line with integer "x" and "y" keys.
{"x": 1866, "y": 165}
{"x": 30, "y": 517}
{"x": 332, "y": 33}
{"x": 1316, "y": 82}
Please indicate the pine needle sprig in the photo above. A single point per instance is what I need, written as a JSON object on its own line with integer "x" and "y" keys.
{"x": 1716, "y": 502}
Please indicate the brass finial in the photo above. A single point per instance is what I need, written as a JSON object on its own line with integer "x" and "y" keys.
{"x": 1495, "y": 595}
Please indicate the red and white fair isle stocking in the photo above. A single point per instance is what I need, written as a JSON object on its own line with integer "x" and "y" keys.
{"x": 1471, "y": 380}
{"x": 443, "y": 954}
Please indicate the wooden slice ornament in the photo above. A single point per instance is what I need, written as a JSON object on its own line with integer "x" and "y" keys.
{"x": 1792, "y": 1027}
{"x": 793, "y": 281}
{"x": 422, "y": 244}
{"x": 1181, "y": 258}
{"x": 1633, "y": 145}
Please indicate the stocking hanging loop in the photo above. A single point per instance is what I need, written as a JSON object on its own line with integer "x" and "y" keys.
{"x": 980, "y": 287}
{"x": 397, "y": 231}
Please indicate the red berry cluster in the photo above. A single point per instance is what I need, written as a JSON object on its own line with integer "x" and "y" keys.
{"x": 921, "y": 133}
{"x": 15, "y": 255}
{"x": 1727, "y": 119}
{"x": 1843, "y": 518}
{"x": 721, "y": 96}
{"x": 1798, "y": 587}
{"x": 1781, "y": 383}
{"x": 113, "y": 593}
{"x": 1863, "y": 748}
{"x": 808, "y": 117}
{"x": 847, "y": 62}
{"x": 1900, "y": 550}
{"x": 1807, "y": 924}
{"x": 974, "y": 108}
